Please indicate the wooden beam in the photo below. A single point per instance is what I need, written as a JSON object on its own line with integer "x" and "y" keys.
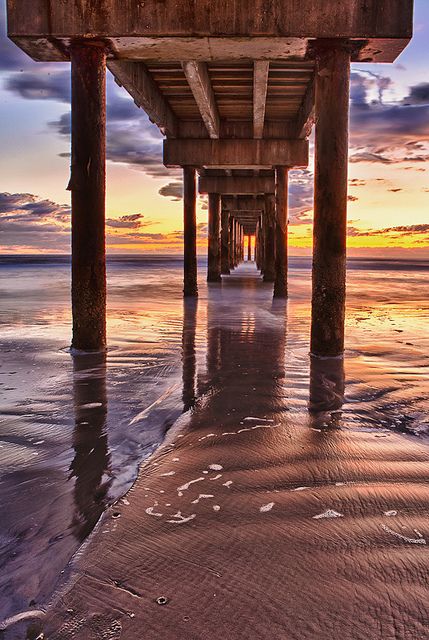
{"x": 199, "y": 81}
{"x": 306, "y": 114}
{"x": 236, "y": 185}
{"x": 236, "y": 153}
{"x": 137, "y": 80}
{"x": 190, "y": 30}
{"x": 243, "y": 203}
{"x": 260, "y": 86}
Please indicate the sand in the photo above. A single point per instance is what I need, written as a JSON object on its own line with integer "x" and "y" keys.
{"x": 250, "y": 524}
{"x": 257, "y": 519}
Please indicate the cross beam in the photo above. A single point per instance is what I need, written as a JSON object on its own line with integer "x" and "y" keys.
{"x": 236, "y": 185}
{"x": 235, "y": 153}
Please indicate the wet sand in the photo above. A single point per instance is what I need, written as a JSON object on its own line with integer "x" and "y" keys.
{"x": 248, "y": 523}
{"x": 242, "y": 552}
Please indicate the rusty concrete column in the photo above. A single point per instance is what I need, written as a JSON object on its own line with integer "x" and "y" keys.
{"x": 88, "y": 185}
{"x": 330, "y": 198}
{"x": 224, "y": 260}
{"x": 190, "y": 288}
{"x": 258, "y": 244}
{"x": 269, "y": 239}
{"x": 280, "y": 284}
{"x": 231, "y": 242}
{"x": 236, "y": 234}
{"x": 213, "y": 257}
{"x": 262, "y": 243}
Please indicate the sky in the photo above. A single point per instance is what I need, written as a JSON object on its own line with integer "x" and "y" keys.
{"x": 388, "y": 209}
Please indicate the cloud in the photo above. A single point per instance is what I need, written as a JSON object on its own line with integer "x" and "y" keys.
{"x": 130, "y": 138}
{"x": 34, "y": 85}
{"x": 400, "y": 130}
{"x": 419, "y": 94}
{"x": 32, "y": 223}
{"x": 133, "y": 221}
{"x": 29, "y": 221}
{"x": 300, "y": 195}
{"x": 172, "y": 190}
{"x": 406, "y": 230}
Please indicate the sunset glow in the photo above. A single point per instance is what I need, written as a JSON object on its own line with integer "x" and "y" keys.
{"x": 389, "y": 149}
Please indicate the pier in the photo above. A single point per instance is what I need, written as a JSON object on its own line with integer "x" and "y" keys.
{"x": 236, "y": 88}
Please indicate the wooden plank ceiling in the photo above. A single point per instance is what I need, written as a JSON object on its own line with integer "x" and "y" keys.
{"x": 234, "y": 92}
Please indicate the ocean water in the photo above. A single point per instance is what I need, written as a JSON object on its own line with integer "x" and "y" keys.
{"x": 74, "y": 430}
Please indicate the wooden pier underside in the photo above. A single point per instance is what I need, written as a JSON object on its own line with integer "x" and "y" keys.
{"x": 235, "y": 87}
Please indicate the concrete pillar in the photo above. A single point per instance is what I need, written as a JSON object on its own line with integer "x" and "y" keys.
{"x": 231, "y": 242}
{"x": 87, "y": 185}
{"x": 213, "y": 258}
{"x": 258, "y": 244}
{"x": 236, "y": 240}
{"x": 330, "y": 198}
{"x": 280, "y": 283}
{"x": 225, "y": 243}
{"x": 190, "y": 287}
{"x": 269, "y": 239}
{"x": 262, "y": 243}
{"x": 249, "y": 248}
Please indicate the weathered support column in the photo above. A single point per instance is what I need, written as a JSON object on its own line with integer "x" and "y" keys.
{"x": 224, "y": 261}
{"x": 213, "y": 262}
{"x": 262, "y": 243}
{"x": 330, "y": 198}
{"x": 249, "y": 248}
{"x": 269, "y": 239}
{"x": 280, "y": 284}
{"x": 231, "y": 242}
{"x": 88, "y": 186}
{"x": 190, "y": 287}
{"x": 236, "y": 241}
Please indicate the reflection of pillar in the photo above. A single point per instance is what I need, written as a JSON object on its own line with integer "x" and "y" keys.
{"x": 280, "y": 284}
{"x": 330, "y": 198}
{"x": 213, "y": 258}
{"x": 245, "y": 361}
{"x": 269, "y": 239}
{"x": 91, "y": 459}
{"x": 327, "y": 384}
{"x": 189, "y": 363}
{"x": 87, "y": 186}
{"x": 225, "y": 243}
{"x": 190, "y": 287}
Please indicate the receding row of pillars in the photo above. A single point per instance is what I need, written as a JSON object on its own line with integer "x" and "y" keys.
{"x": 87, "y": 184}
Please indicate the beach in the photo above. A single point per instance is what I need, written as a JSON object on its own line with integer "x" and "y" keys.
{"x": 278, "y": 496}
